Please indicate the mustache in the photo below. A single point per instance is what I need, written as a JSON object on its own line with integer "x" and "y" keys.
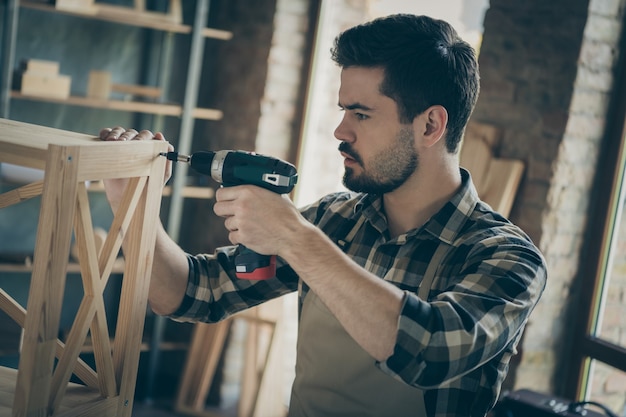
{"x": 346, "y": 148}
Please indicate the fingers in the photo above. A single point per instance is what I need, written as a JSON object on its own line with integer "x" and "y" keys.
{"x": 230, "y": 225}
{"x": 122, "y": 134}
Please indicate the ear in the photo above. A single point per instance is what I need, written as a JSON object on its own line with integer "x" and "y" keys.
{"x": 434, "y": 123}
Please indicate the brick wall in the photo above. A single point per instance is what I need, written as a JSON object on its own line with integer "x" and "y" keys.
{"x": 546, "y": 78}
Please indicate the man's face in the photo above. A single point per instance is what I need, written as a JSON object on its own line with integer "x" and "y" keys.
{"x": 379, "y": 151}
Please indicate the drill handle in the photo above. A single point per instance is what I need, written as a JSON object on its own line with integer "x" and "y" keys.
{"x": 254, "y": 266}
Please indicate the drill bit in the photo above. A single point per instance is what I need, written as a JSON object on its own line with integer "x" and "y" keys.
{"x": 175, "y": 156}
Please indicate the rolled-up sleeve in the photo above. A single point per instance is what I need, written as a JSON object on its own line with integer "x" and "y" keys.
{"x": 214, "y": 293}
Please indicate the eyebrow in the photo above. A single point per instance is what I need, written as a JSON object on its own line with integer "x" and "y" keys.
{"x": 355, "y": 106}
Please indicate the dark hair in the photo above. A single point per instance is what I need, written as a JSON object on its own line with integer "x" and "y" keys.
{"x": 425, "y": 62}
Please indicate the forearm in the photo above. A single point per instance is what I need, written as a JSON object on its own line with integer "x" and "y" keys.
{"x": 367, "y": 306}
{"x": 170, "y": 272}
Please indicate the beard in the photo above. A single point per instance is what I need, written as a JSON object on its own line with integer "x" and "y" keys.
{"x": 388, "y": 170}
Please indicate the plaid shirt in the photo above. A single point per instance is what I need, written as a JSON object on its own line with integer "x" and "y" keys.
{"x": 487, "y": 276}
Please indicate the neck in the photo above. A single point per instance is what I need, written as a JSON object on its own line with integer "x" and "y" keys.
{"x": 421, "y": 196}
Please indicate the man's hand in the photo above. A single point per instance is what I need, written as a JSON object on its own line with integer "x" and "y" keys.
{"x": 261, "y": 220}
{"x": 115, "y": 187}
{"x": 170, "y": 269}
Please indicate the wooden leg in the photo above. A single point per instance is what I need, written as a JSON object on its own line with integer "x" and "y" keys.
{"x": 260, "y": 339}
{"x": 133, "y": 301}
{"x": 205, "y": 350}
{"x": 48, "y": 282}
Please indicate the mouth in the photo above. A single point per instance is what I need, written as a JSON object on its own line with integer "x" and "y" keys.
{"x": 348, "y": 161}
{"x": 349, "y": 156}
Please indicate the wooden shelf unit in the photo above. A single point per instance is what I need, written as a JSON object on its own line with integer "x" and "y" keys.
{"x": 128, "y": 16}
{"x": 41, "y": 386}
{"x": 122, "y": 105}
{"x": 188, "y": 112}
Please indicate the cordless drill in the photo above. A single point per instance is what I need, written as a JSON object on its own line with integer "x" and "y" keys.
{"x": 231, "y": 168}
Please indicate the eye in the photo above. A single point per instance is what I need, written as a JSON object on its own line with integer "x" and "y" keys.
{"x": 361, "y": 116}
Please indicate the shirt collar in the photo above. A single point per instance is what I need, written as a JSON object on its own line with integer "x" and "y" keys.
{"x": 447, "y": 223}
{"x": 444, "y": 225}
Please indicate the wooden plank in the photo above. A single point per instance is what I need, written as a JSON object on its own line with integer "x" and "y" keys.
{"x": 100, "y": 407}
{"x": 223, "y": 35}
{"x": 502, "y": 183}
{"x": 45, "y": 297}
{"x": 79, "y": 401}
{"x": 23, "y": 193}
{"x": 168, "y": 23}
{"x": 487, "y": 133}
{"x": 496, "y": 179}
{"x": 135, "y": 17}
{"x": 126, "y": 106}
{"x": 260, "y": 340}
{"x": 207, "y": 114}
{"x": 207, "y": 345}
{"x": 119, "y": 226}
{"x": 261, "y": 364}
{"x": 12, "y": 308}
{"x": 133, "y": 299}
{"x": 18, "y": 314}
{"x": 205, "y": 350}
{"x": 80, "y": 6}
{"x": 176, "y": 11}
{"x": 137, "y": 90}
{"x": 476, "y": 157}
{"x": 25, "y": 144}
{"x": 191, "y": 191}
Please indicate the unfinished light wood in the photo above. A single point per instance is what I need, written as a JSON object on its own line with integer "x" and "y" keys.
{"x": 68, "y": 159}
{"x": 170, "y": 22}
{"x": 137, "y": 90}
{"x": 208, "y": 342}
{"x": 132, "y": 106}
{"x": 496, "y": 179}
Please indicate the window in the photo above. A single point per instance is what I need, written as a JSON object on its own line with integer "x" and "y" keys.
{"x": 599, "y": 358}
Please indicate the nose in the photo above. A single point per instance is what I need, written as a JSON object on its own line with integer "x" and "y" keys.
{"x": 342, "y": 132}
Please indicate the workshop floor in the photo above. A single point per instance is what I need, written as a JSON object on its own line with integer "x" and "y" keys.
{"x": 145, "y": 410}
{"x": 156, "y": 410}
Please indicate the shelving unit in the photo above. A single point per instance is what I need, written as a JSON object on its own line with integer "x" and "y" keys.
{"x": 162, "y": 109}
{"x": 187, "y": 111}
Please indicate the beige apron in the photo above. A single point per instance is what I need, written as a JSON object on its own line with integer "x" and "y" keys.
{"x": 336, "y": 377}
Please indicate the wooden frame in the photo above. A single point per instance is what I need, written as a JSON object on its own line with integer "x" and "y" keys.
{"x": 208, "y": 342}
{"x": 69, "y": 160}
